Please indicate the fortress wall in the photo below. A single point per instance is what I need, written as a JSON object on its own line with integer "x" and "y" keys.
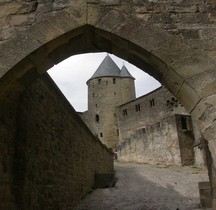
{"x": 154, "y": 134}
{"x": 155, "y": 144}
{"x": 153, "y": 107}
{"x": 55, "y": 154}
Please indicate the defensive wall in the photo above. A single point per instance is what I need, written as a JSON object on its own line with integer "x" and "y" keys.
{"x": 52, "y": 157}
{"x": 156, "y": 129}
{"x": 174, "y": 41}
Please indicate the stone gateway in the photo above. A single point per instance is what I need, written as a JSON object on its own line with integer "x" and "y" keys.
{"x": 174, "y": 41}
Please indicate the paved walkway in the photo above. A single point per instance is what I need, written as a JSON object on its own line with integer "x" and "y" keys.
{"x": 145, "y": 187}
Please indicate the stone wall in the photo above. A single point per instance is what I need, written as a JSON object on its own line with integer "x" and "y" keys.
{"x": 55, "y": 155}
{"x": 155, "y": 144}
{"x": 153, "y": 107}
{"x": 153, "y": 132}
{"x": 8, "y": 131}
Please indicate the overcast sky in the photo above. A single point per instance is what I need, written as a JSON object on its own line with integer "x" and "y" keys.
{"x": 71, "y": 75}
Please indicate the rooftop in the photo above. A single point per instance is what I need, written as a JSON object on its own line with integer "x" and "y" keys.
{"x": 108, "y": 68}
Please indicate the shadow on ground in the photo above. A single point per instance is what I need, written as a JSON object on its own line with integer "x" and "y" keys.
{"x": 143, "y": 187}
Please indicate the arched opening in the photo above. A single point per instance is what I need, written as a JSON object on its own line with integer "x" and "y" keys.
{"x": 72, "y": 74}
{"x": 158, "y": 124}
{"x": 27, "y": 70}
{"x": 81, "y": 40}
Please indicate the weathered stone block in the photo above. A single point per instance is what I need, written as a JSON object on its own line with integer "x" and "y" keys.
{"x": 192, "y": 18}
{"x": 190, "y": 34}
{"x": 205, "y": 112}
{"x": 16, "y": 49}
{"x": 110, "y": 2}
{"x": 188, "y": 97}
{"x": 104, "y": 18}
{"x": 212, "y": 16}
{"x": 173, "y": 80}
{"x": 9, "y": 9}
{"x": 15, "y": 20}
{"x": 205, "y": 83}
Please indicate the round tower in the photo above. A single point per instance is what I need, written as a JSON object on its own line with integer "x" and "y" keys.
{"x": 127, "y": 86}
{"x": 104, "y": 95}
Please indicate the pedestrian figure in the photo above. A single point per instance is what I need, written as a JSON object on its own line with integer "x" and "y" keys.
{"x": 116, "y": 155}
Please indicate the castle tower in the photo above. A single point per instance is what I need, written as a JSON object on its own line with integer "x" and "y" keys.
{"x": 108, "y": 88}
{"x": 127, "y": 85}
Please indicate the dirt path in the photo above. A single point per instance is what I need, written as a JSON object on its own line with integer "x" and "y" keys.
{"x": 145, "y": 187}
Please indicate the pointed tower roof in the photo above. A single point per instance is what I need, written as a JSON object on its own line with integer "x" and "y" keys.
{"x": 107, "y": 68}
{"x": 125, "y": 72}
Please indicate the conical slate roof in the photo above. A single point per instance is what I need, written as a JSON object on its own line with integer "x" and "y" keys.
{"x": 125, "y": 72}
{"x": 107, "y": 68}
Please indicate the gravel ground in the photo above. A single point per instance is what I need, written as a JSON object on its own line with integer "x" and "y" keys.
{"x": 146, "y": 187}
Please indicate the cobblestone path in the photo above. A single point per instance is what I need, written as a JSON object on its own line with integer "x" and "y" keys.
{"x": 145, "y": 187}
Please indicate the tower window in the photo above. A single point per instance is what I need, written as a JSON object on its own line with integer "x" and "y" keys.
{"x": 152, "y": 102}
{"x": 114, "y": 93}
{"x": 96, "y": 105}
{"x": 106, "y": 82}
{"x": 137, "y": 107}
{"x": 99, "y": 81}
{"x": 124, "y": 112}
{"x": 97, "y": 118}
{"x": 101, "y": 134}
{"x": 114, "y": 80}
{"x": 118, "y": 132}
{"x": 93, "y": 94}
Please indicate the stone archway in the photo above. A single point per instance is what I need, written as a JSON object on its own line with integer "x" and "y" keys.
{"x": 173, "y": 42}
